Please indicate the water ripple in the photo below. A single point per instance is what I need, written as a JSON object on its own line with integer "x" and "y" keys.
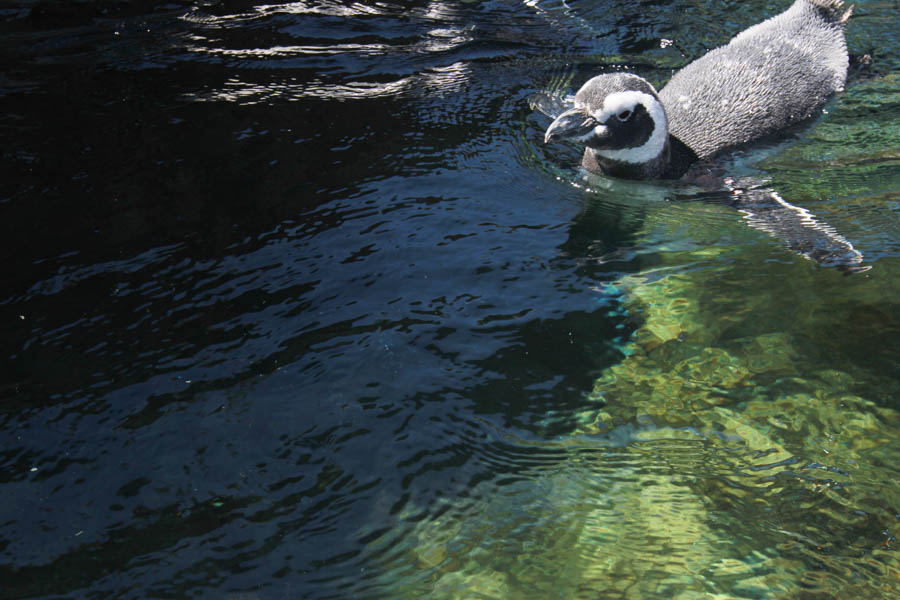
{"x": 298, "y": 303}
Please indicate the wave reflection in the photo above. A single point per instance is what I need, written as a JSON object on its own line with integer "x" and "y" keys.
{"x": 298, "y": 305}
{"x": 436, "y": 82}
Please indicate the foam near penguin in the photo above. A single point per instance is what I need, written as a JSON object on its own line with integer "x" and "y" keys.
{"x": 770, "y": 76}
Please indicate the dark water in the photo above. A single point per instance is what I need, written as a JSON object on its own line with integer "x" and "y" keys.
{"x": 297, "y": 305}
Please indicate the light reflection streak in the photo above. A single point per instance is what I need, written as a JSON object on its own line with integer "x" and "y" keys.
{"x": 438, "y": 82}
{"x": 440, "y": 35}
{"x": 331, "y": 9}
{"x": 294, "y": 51}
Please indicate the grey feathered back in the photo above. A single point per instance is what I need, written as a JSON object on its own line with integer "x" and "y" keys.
{"x": 768, "y": 77}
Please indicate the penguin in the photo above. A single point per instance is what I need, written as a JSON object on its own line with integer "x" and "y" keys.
{"x": 769, "y": 77}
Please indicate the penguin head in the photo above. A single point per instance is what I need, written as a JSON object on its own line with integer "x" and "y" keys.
{"x": 618, "y": 117}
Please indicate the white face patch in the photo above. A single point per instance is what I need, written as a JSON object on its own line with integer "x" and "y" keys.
{"x": 618, "y": 102}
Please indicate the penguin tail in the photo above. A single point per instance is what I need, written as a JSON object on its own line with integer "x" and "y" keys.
{"x": 833, "y": 10}
{"x": 846, "y": 16}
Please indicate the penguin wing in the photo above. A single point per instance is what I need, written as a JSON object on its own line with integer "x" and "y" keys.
{"x": 765, "y": 210}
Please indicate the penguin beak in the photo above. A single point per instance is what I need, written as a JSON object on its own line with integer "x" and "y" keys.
{"x": 574, "y": 123}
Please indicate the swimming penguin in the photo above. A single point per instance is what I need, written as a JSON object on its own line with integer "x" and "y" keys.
{"x": 769, "y": 77}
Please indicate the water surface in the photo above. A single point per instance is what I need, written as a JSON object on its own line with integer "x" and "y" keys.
{"x": 298, "y": 305}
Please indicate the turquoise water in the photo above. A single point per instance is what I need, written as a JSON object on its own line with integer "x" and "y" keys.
{"x": 298, "y": 305}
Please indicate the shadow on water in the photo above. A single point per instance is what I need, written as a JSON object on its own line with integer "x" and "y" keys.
{"x": 297, "y": 305}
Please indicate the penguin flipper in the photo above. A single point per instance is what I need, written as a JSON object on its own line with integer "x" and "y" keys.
{"x": 800, "y": 230}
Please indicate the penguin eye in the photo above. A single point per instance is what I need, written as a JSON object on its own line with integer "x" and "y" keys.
{"x": 624, "y": 115}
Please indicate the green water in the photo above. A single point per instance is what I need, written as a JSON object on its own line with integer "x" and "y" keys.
{"x": 748, "y": 446}
{"x": 744, "y": 449}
